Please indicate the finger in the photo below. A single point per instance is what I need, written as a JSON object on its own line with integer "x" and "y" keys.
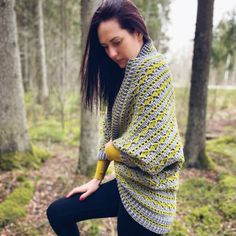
{"x": 75, "y": 190}
{"x": 84, "y": 195}
{"x": 70, "y": 193}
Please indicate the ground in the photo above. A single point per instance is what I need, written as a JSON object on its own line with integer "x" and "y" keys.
{"x": 53, "y": 180}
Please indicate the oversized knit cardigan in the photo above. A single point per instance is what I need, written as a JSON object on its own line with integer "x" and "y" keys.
{"x": 143, "y": 127}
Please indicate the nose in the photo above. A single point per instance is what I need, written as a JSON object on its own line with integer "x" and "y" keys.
{"x": 112, "y": 53}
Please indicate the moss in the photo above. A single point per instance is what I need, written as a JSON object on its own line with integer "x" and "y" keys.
{"x": 14, "y": 206}
{"x": 223, "y": 152}
{"x": 219, "y": 199}
{"x": 197, "y": 192}
{"x": 204, "y": 221}
{"x": 40, "y": 153}
{"x": 227, "y": 190}
{"x": 227, "y": 182}
{"x": 17, "y": 160}
{"x": 21, "y": 178}
{"x": 178, "y": 229}
{"x": 93, "y": 230}
{"x": 206, "y": 161}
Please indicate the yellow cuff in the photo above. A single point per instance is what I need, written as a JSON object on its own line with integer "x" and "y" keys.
{"x": 101, "y": 169}
{"x": 112, "y": 153}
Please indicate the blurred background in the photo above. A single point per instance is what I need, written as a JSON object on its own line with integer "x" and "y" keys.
{"x": 48, "y": 142}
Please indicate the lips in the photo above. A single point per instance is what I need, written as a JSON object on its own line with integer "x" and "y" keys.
{"x": 121, "y": 61}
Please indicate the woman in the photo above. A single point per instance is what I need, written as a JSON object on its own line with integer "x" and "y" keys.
{"x": 122, "y": 69}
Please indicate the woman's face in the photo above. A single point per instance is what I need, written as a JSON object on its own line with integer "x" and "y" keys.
{"x": 119, "y": 44}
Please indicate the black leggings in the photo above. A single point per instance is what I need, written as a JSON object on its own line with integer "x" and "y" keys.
{"x": 105, "y": 202}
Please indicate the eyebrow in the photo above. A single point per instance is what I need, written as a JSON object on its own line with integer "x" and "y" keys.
{"x": 102, "y": 44}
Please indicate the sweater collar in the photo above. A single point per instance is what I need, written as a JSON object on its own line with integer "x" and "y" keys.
{"x": 143, "y": 52}
{"x": 114, "y": 115}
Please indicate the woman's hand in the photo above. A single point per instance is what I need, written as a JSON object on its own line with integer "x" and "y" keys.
{"x": 87, "y": 188}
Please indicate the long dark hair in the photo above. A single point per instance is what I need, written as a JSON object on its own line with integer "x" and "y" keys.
{"x": 101, "y": 77}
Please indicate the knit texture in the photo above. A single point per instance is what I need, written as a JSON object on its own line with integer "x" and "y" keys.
{"x": 143, "y": 127}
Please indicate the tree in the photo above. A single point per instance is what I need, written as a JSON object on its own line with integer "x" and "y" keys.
{"x": 89, "y": 126}
{"x": 63, "y": 57}
{"x": 13, "y": 134}
{"x": 194, "y": 148}
{"x": 224, "y": 45}
{"x": 156, "y": 15}
{"x": 41, "y": 69}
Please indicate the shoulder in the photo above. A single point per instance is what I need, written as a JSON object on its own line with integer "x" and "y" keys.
{"x": 151, "y": 60}
{"x": 152, "y": 69}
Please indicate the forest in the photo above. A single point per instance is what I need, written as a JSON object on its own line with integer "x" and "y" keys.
{"x": 49, "y": 141}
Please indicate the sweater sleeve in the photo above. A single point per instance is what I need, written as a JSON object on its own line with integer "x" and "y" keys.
{"x": 151, "y": 140}
{"x": 103, "y": 162}
{"x": 112, "y": 153}
{"x": 101, "y": 169}
{"x": 104, "y": 138}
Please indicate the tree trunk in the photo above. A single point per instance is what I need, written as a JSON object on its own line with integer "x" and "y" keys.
{"x": 89, "y": 126}
{"x": 63, "y": 38}
{"x": 195, "y": 136}
{"x": 13, "y": 134}
{"x": 25, "y": 61}
{"x": 40, "y": 55}
{"x": 226, "y": 72}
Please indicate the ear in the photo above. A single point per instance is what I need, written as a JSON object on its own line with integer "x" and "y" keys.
{"x": 140, "y": 36}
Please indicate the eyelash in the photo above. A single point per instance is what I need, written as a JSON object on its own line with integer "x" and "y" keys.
{"x": 117, "y": 43}
{"x": 114, "y": 43}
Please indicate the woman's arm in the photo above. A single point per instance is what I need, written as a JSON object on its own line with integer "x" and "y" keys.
{"x": 151, "y": 140}
{"x": 112, "y": 153}
{"x": 101, "y": 169}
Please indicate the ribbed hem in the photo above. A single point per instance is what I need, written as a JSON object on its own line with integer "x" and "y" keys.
{"x": 101, "y": 155}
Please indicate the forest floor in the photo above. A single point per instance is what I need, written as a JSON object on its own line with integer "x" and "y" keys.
{"x": 56, "y": 177}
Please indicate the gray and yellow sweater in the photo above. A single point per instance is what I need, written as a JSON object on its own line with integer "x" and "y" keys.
{"x": 146, "y": 146}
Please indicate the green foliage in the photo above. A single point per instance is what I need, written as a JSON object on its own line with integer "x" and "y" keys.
{"x": 178, "y": 229}
{"x": 50, "y": 128}
{"x": 47, "y": 130}
{"x": 93, "y": 230}
{"x": 51, "y": 131}
{"x": 206, "y": 205}
{"x": 224, "y": 43}
{"x": 17, "y": 160}
{"x": 223, "y": 152}
{"x": 14, "y": 206}
{"x": 197, "y": 192}
{"x": 204, "y": 221}
{"x": 206, "y": 162}
{"x": 227, "y": 188}
{"x": 156, "y": 16}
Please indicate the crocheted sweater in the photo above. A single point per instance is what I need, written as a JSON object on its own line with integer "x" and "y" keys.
{"x": 143, "y": 127}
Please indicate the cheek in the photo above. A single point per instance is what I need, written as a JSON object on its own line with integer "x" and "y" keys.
{"x": 125, "y": 51}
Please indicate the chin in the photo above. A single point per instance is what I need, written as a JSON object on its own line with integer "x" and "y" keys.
{"x": 122, "y": 65}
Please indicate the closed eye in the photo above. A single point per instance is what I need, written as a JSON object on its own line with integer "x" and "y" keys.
{"x": 116, "y": 43}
